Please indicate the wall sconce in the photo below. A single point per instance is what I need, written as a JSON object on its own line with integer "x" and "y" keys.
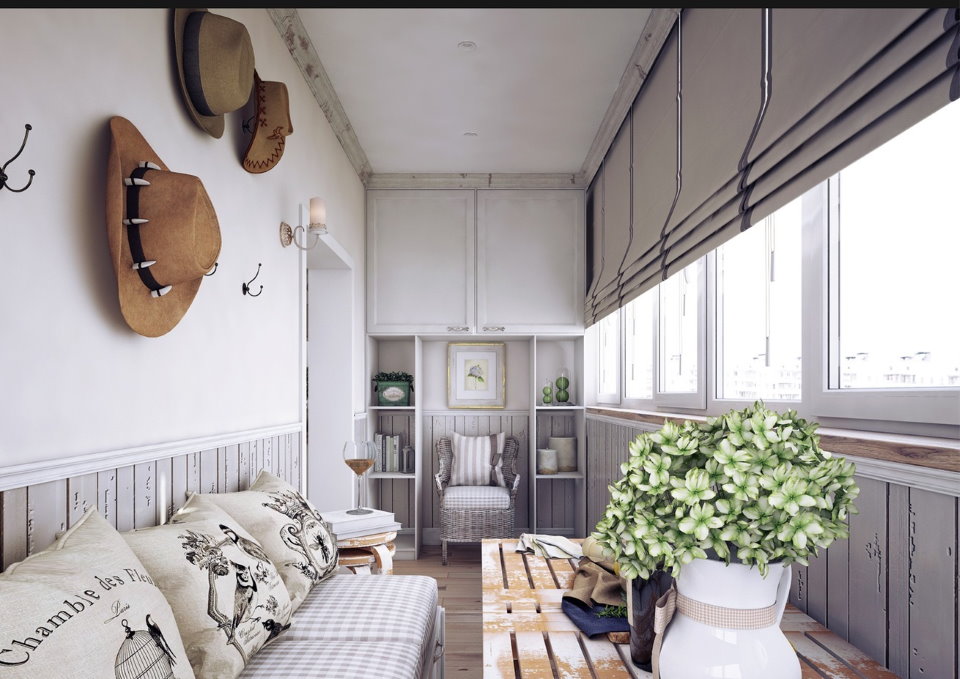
{"x": 317, "y": 226}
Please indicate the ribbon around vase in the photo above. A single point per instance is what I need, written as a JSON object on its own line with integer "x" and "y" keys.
{"x": 708, "y": 614}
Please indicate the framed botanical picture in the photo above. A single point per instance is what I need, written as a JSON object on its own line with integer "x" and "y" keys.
{"x": 476, "y": 375}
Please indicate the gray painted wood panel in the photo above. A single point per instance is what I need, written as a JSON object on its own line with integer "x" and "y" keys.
{"x": 891, "y": 588}
{"x": 133, "y": 496}
{"x": 868, "y": 570}
{"x": 933, "y": 584}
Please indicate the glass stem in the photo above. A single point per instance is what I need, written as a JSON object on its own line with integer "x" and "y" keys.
{"x": 359, "y": 488}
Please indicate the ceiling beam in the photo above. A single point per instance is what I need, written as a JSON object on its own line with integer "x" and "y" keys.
{"x": 301, "y": 48}
{"x": 475, "y": 180}
{"x": 654, "y": 34}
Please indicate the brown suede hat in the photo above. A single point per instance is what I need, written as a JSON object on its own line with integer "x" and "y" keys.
{"x": 271, "y": 125}
{"x": 162, "y": 232}
{"x": 215, "y": 61}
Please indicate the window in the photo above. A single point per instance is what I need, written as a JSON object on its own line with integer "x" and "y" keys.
{"x": 894, "y": 245}
{"x": 638, "y": 347}
{"x": 758, "y": 293}
{"x": 841, "y": 303}
{"x": 608, "y": 358}
{"x": 679, "y": 330}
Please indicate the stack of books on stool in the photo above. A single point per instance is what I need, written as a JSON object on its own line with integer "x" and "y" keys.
{"x": 365, "y": 541}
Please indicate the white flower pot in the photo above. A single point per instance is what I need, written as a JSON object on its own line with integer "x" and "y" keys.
{"x": 694, "y": 650}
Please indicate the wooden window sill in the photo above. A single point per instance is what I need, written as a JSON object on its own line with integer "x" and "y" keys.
{"x": 933, "y": 453}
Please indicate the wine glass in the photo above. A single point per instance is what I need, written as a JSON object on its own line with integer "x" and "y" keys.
{"x": 359, "y": 457}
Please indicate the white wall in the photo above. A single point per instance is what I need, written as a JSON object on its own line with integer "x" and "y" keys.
{"x": 74, "y": 378}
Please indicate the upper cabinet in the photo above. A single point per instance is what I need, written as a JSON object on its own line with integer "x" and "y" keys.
{"x": 530, "y": 273}
{"x": 420, "y": 261}
{"x": 483, "y": 262}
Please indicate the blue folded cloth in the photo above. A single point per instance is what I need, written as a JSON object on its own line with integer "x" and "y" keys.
{"x": 588, "y": 620}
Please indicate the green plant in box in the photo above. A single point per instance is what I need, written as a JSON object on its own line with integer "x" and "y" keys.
{"x": 751, "y": 486}
{"x": 393, "y": 388}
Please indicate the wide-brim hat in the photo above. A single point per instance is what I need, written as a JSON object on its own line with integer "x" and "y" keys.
{"x": 162, "y": 232}
{"x": 215, "y": 62}
{"x": 271, "y": 125}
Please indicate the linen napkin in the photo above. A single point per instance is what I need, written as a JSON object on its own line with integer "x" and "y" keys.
{"x": 549, "y": 546}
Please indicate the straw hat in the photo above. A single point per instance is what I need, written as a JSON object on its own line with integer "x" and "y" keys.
{"x": 162, "y": 232}
{"x": 271, "y": 128}
{"x": 215, "y": 61}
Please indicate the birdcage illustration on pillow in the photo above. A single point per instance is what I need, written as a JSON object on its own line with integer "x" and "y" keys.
{"x": 144, "y": 654}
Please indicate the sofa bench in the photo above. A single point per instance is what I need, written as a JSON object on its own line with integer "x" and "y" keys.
{"x": 350, "y": 624}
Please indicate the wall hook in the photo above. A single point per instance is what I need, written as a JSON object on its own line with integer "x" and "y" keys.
{"x": 213, "y": 270}
{"x": 3, "y": 170}
{"x": 246, "y": 286}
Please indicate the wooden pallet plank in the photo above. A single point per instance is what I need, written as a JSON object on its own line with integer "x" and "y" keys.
{"x": 604, "y": 658}
{"x": 516, "y": 571}
{"x": 540, "y": 572}
{"x": 532, "y": 655}
{"x": 568, "y": 655}
{"x": 498, "y": 661}
{"x": 820, "y": 658}
{"x": 852, "y": 656}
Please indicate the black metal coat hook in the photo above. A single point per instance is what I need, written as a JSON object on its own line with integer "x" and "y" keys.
{"x": 215, "y": 265}
{"x": 246, "y": 286}
{"x": 3, "y": 170}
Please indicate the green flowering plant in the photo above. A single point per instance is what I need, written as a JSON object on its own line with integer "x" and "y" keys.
{"x": 751, "y": 485}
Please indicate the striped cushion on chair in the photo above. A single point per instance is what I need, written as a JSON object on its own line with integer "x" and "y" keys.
{"x": 477, "y": 460}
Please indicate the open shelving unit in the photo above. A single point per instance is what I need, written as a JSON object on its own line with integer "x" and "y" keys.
{"x": 546, "y": 503}
{"x": 558, "y": 501}
{"x": 399, "y": 492}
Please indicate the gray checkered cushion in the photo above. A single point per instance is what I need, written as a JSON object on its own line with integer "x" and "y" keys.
{"x": 335, "y": 659}
{"x": 400, "y": 608}
{"x": 476, "y": 497}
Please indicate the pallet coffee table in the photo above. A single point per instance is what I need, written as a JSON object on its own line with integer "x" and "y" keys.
{"x": 527, "y": 635}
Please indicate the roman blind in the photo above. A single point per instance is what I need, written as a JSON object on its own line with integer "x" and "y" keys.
{"x": 746, "y": 109}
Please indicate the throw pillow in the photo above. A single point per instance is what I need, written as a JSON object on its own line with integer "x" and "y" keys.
{"x": 87, "y": 608}
{"x": 287, "y": 525}
{"x": 478, "y": 460}
{"x": 227, "y": 596}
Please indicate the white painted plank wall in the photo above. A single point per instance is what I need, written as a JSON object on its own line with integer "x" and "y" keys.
{"x": 139, "y": 495}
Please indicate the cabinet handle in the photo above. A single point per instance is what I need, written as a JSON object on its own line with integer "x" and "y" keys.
{"x": 457, "y": 328}
{"x": 494, "y": 328}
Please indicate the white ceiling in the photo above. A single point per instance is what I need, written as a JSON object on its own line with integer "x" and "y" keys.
{"x": 534, "y": 90}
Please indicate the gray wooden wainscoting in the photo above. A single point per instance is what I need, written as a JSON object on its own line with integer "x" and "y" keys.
{"x": 139, "y": 495}
{"x": 891, "y": 589}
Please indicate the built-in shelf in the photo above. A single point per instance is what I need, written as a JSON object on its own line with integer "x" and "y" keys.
{"x": 546, "y": 408}
{"x": 406, "y": 544}
{"x": 561, "y": 475}
{"x": 391, "y": 475}
{"x": 411, "y": 408}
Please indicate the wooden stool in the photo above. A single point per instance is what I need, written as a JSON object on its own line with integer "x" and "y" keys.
{"x": 368, "y": 553}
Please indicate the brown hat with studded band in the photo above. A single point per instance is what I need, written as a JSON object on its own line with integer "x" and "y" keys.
{"x": 162, "y": 232}
{"x": 271, "y": 125}
{"x": 215, "y": 61}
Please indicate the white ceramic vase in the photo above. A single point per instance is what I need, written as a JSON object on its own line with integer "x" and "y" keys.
{"x": 693, "y": 650}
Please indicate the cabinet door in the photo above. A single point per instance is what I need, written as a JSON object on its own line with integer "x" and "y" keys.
{"x": 530, "y": 261}
{"x": 420, "y": 261}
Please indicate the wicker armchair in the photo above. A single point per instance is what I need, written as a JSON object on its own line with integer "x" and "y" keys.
{"x": 472, "y": 513}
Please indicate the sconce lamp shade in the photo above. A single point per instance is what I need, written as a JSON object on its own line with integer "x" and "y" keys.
{"x": 318, "y": 212}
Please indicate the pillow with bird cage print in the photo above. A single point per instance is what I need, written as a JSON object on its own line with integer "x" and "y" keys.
{"x": 226, "y": 594}
{"x": 87, "y": 608}
{"x": 291, "y": 530}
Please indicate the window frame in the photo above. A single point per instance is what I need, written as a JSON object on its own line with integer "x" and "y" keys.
{"x": 694, "y": 400}
{"x": 820, "y": 269}
{"x": 640, "y": 403}
{"x": 611, "y": 398}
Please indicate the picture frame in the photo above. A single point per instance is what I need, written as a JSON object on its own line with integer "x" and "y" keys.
{"x": 476, "y": 375}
